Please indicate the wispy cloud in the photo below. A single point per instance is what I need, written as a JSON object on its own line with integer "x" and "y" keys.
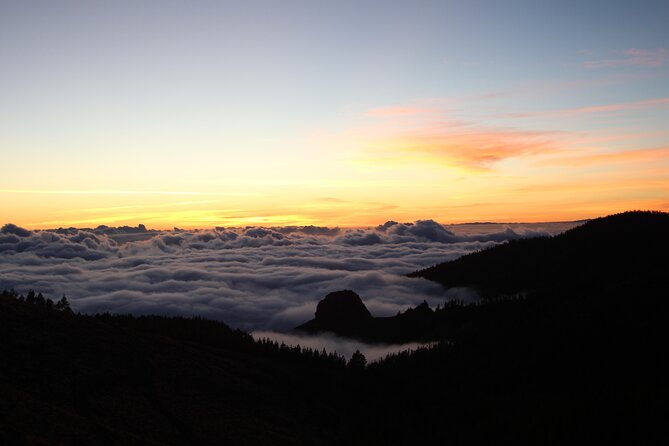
{"x": 389, "y": 112}
{"x": 593, "y": 109}
{"x": 108, "y": 209}
{"x": 121, "y": 192}
{"x": 331, "y": 200}
{"x": 655, "y": 154}
{"x": 456, "y": 144}
{"x": 635, "y": 105}
{"x": 632, "y": 56}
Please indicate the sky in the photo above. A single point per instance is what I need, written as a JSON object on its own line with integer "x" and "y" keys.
{"x": 202, "y": 114}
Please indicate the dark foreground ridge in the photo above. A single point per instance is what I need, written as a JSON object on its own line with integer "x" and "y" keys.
{"x": 580, "y": 358}
{"x": 73, "y": 379}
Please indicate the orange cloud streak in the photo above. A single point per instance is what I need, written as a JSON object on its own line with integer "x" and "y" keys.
{"x": 608, "y": 108}
{"x": 463, "y": 145}
{"x": 618, "y": 107}
{"x": 627, "y": 156}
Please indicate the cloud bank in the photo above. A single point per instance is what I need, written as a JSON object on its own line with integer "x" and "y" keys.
{"x": 251, "y": 278}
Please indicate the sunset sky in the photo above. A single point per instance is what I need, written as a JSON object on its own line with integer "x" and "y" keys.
{"x": 212, "y": 113}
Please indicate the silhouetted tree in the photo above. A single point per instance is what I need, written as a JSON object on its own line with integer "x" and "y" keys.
{"x": 63, "y": 305}
{"x": 357, "y": 362}
{"x": 30, "y": 297}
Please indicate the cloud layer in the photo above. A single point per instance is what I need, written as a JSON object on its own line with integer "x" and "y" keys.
{"x": 251, "y": 278}
{"x": 340, "y": 345}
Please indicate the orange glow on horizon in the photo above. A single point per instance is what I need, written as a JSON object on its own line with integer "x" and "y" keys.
{"x": 71, "y": 211}
{"x": 396, "y": 163}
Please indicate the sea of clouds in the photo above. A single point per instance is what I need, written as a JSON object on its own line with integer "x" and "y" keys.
{"x": 252, "y": 278}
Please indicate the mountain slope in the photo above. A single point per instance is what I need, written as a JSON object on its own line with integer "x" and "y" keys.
{"x": 600, "y": 253}
{"x": 72, "y": 379}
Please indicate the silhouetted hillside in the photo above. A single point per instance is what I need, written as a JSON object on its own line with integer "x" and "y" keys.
{"x": 578, "y": 359}
{"x": 573, "y": 355}
{"x": 600, "y": 253}
{"x": 73, "y": 379}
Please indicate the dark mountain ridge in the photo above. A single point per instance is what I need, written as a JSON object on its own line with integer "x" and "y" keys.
{"x": 74, "y": 379}
{"x": 602, "y": 252}
{"x": 585, "y": 262}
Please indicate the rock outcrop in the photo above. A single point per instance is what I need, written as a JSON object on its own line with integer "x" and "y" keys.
{"x": 341, "y": 312}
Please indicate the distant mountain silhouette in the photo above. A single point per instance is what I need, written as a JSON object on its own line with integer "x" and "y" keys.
{"x": 598, "y": 254}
